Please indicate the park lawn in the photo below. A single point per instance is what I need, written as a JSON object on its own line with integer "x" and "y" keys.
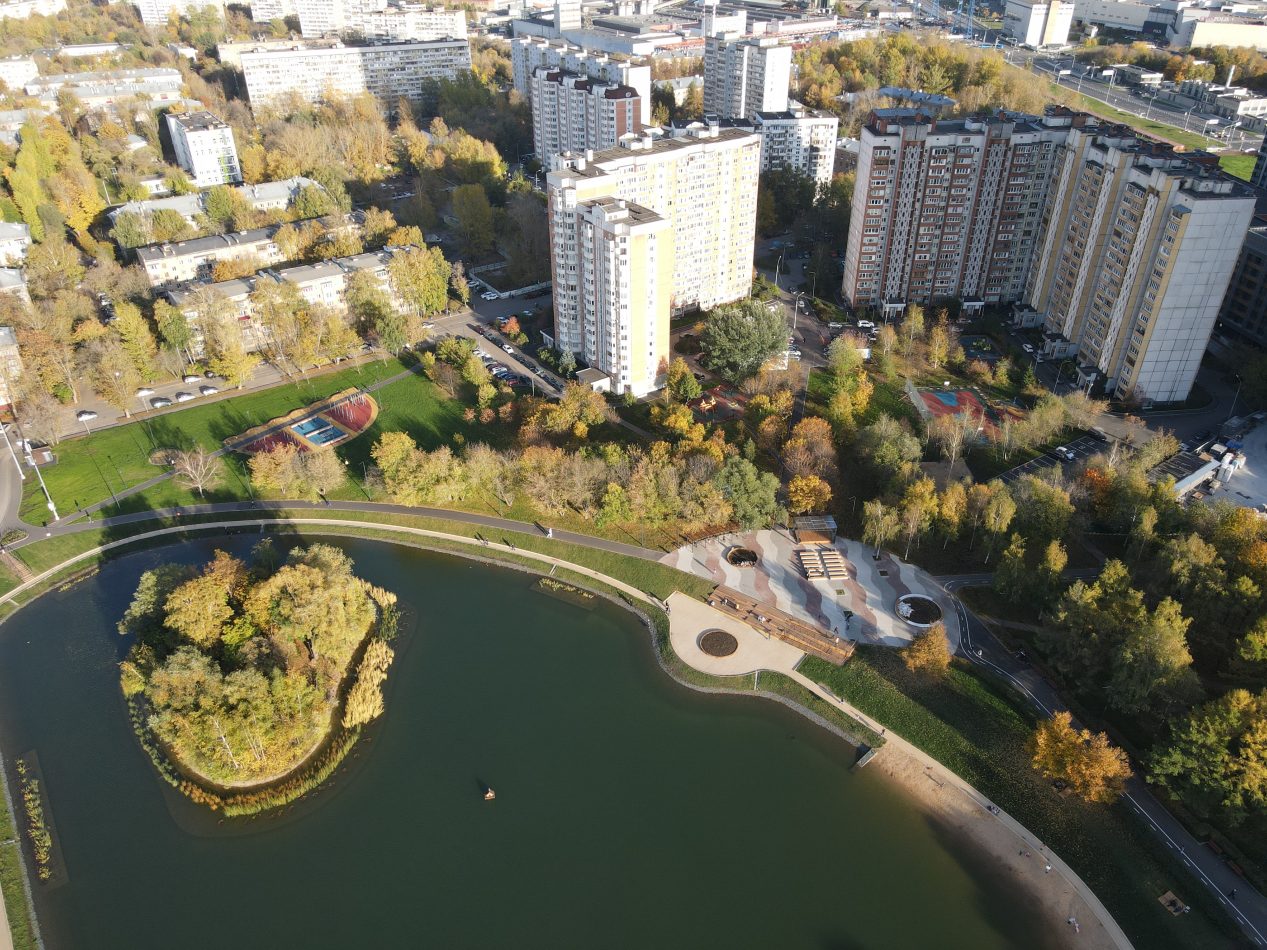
{"x": 1151, "y": 127}
{"x": 11, "y": 882}
{"x": 1238, "y": 164}
{"x": 90, "y": 467}
{"x": 980, "y": 731}
{"x": 890, "y": 399}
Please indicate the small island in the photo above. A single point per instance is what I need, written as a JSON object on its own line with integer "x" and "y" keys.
{"x": 249, "y": 681}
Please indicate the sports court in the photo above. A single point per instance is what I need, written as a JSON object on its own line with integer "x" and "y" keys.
{"x": 320, "y": 425}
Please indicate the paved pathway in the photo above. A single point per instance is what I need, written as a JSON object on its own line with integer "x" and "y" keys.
{"x": 870, "y": 591}
{"x": 1249, "y": 909}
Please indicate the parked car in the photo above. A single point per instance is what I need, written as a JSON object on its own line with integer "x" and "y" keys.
{"x": 184, "y": 397}
{"x": 1065, "y": 453}
{"x": 208, "y": 390}
{"x": 865, "y": 325}
{"x": 488, "y": 295}
{"x": 160, "y": 402}
{"x": 85, "y": 415}
{"x": 1027, "y": 347}
{"x": 192, "y": 378}
{"x": 835, "y": 326}
{"x": 508, "y": 348}
{"x": 143, "y": 392}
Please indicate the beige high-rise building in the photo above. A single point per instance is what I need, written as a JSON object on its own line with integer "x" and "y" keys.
{"x": 1138, "y": 246}
{"x": 654, "y": 227}
{"x": 744, "y": 75}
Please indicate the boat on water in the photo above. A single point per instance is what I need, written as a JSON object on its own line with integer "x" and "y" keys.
{"x": 489, "y": 794}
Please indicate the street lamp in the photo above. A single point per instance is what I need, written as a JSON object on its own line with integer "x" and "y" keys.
{"x": 142, "y": 394}
{"x": 30, "y": 460}
{"x": 16, "y": 464}
{"x": 1235, "y": 396}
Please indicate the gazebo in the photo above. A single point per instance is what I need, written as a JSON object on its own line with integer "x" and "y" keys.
{"x": 814, "y": 529}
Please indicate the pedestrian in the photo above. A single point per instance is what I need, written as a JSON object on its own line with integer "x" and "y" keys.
{"x": 1046, "y": 868}
{"x": 1232, "y": 893}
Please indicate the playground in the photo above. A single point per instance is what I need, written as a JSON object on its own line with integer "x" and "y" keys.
{"x": 320, "y": 425}
{"x": 980, "y": 348}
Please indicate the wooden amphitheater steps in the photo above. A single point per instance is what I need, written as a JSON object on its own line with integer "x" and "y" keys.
{"x": 773, "y": 622}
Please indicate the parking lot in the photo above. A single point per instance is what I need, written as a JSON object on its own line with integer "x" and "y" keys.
{"x": 1080, "y": 450}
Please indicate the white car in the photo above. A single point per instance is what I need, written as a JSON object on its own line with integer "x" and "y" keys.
{"x": 85, "y": 415}
{"x": 208, "y": 390}
{"x": 488, "y": 295}
{"x": 835, "y": 326}
{"x": 865, "y": 325}
{"x": 508, "y": 348}
{"x": 191, "y": 378}
{"x": 160, "y": 402}
{"x": 1028, "y": 348}
{"x": 1065, "y": 453}
{"x": 184, "y": 397}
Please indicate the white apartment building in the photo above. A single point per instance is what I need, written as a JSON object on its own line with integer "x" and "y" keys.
{"x": 800, "y": 139}
{"x": 10, "y": 364}
{"x": 1138, "y": 244}
{"x": 320, "y": 17}
{"x": 21, "y": 9}
{"x": 389, "y": 72}
{"x": 204, "y": 148}
{"x": 401, "y": 21}
{"x": 159, "y": 12}
{"x": 1039, "y": 23}
{"x": 745, "y": 75}
{"x": 529, "y": 53}
{"x": 17, "y": 71}
{"x": 703, "y": 185}
{"x": 105, "y": 87}
{"x": 263, "y": 11}
{"x": 1249, "y": 31}
{"x": 572, "y": 113}
{"x": 267, "y": 196}
{"x": 15, "y": 239}
{"x": 947, "y": 209}
{"x": 181, "y": 261}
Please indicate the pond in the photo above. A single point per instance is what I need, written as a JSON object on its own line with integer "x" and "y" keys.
{"x": 630, "y": 812}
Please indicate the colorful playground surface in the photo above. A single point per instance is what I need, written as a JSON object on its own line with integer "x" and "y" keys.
{"x": 719, "y": 404}
{"x": 980, "y": 348}
{"x": 321, "y": 425}
{"x": 934, "y": 403}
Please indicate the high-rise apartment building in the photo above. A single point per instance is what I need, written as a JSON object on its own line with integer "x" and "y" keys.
{"x": 158, "y": 12}
{"x": 655, "y": 226}
{"x": 572, "y": 113}
{"x": 1039, "y": 23}
{"x": 1138, "y": 247}
{"x": 204, "y": 148}
{"x": 389, "y": 72}
{"x": 947, "y": 209}
{"x": 529, "y": 53}
{"x": 745, "y": 75}
{"x": 567, "y": 16}
{"x": 406, "y": 22}
{"x": 800, "y": 139}
{"x": 1244, "y": 311}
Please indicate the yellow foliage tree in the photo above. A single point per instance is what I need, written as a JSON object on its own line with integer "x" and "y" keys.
{"x": 807, "y": 493}
{"x": 929, "y": 652}
{"x": 1094, "y": 769}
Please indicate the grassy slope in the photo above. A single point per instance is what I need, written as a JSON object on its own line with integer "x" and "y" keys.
{"x": 11, "y": 873}
{"x": 1238, "y": 164}
{"x": 977, "y": 730}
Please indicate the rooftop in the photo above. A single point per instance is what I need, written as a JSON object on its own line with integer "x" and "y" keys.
{"x": 201, "y": 245}
{"x": 197, "y": 121}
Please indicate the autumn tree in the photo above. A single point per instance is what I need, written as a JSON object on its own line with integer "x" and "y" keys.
{"x": 475, "y": 219}
{"x": 929, "y": 652}
{"x": 806, "y": 493}
{"x": 880, "y": 523}
{"x": 197, "y": 468}
{"x": 1094, "y": 770}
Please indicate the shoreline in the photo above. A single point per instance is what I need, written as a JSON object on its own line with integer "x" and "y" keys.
{"x": 1014, "y": 856}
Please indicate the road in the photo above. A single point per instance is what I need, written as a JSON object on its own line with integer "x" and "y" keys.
{"x": 978, "y": 644}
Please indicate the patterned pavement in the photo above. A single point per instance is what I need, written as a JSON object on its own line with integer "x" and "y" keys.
{"x": 871, "y": 590}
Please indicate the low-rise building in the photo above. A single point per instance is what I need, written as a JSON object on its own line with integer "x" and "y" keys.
{"x": 17, "y": 71}
{"x": 266, "y": 196}
{"x": 204, "y": 148}
{"x": 15, "y": 238}
{"x": 10, "y": 366}
{"x": 389, "y": 72}
{"x": 181, "y": 261}
{"x": 106, "y": 87}
{"x": 13, "y": 282}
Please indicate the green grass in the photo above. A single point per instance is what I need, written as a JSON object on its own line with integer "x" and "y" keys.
{"x": 11, "y": 881}
{"x": 1238, "y": 164}
{"x": 89, "y": 467}
{"x": 979, "y": 730}
{"x": 1151, "y": 127}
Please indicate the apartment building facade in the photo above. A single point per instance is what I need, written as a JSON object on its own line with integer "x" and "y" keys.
{"x": 158, "y": 12}
{"x": 389, "y": 72}
{"x": 745, "y": 75}
{"x": 656, "y": 226}
{"x": 204, "y": 148}
{"x": 17, "y": 71}
{"x": 529, "y": 53}
{"x": 266, "y": 196}
{"x": 181, "y": 261}
{"x": 800, "y": 139}
{"x": 1244, "y": 310}
{"x": 408, "y": 22}
{"x": 572, "y": 113}
{"x": 1138, "y": 247}
{"x": 15, "y": 241}
{"x": 947, "y": 209}
{"x": 21, "y": 9}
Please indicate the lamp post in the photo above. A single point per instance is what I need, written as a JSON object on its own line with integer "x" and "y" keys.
{"x": 1235, "y": 396}
{"x": 38, "y": 474}
{"x": 14, "y": 455}
{"x": 141, "y": 395}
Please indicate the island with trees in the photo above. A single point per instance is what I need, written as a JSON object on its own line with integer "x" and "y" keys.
{"x": 248, "y": 681}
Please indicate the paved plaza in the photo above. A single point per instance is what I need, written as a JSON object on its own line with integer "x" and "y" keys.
{"x": 870, "y": 591}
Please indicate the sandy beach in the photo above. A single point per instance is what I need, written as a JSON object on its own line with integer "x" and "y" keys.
{"x": 1054, "y": 898}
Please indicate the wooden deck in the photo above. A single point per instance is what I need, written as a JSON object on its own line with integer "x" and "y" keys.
{"x": 775, "y": 623}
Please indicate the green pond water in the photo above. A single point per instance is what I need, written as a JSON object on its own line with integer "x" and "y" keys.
{"x": 630, "y": 811}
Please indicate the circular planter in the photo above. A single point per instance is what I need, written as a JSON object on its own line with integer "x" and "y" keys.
{"x": 741, "y": 557}
{"x": 918, "y": 610}
{"x": 718, "y": 643}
